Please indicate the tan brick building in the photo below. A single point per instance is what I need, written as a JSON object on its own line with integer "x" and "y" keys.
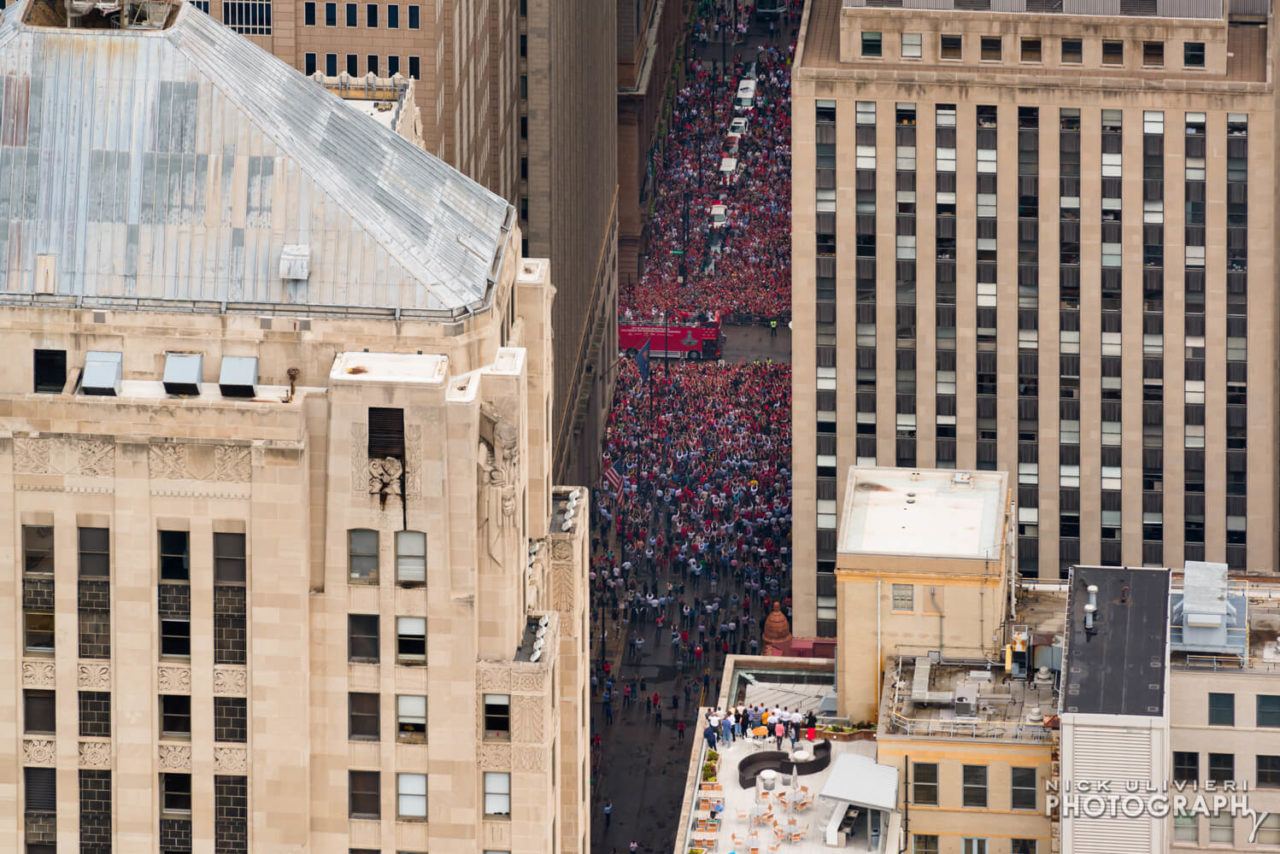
{"x": 1039, "y": 237}
{"x": 288, "y": 571}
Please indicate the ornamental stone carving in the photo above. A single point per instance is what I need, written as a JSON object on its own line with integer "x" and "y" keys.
{"x": 94, "y": 676}
{"x": 526, "y": 719}
{"x": 186, "y": 461}
{"x": 493, "y": 678}
{"x": 560, "y": 549}
{"x": 173, "y": 679}
{"x": 230, "y": 760}
{"x": 495, "y": 757}
{"x": 528, "y": 759}
{"x": 562, "y": 600}
{"x": 229, "y": 681}
{"x": 528, "y": 681}
{"x": 39, "y": 751}
{"x": 64, "y": 455}
{"x": 175, "y": 757}
{"x": 95, "y": 754}
{"x": 362, "y": 475}
{"x": 38, "y": 674}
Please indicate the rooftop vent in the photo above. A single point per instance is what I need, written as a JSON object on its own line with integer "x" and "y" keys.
{"x": 295, "y": 263}
{"x": 239, "y": 376}
{"x": 182, "y": 373}
{"x": 1208, "y": 615}
{"x": 102, "y": 372}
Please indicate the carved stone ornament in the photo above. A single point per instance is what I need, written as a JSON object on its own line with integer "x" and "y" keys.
{"x": 384, "y": 478}
{"x": 173, "y": 679}
{"x": 561, "y": 550}
{"x": 175, "y": 757}
{"x": 495, "y": 757}
{"x": 184, "y": 461}
{"x": 528, "y": 681}
{"x": 39, "y": 751}
{"x": 526, "y": 720}
{"x": 94, "y": 676}
{"x": 95, "y": 754}
{"x": 528, "y": 759}
{"x": 229, "y": 681}
{"x": 361, "y": 475}
{"x": 38, "y": 674}
{"x": 65, "y": 455}
{"x": 230, "y": 760}
{"x": 496, "y": 678}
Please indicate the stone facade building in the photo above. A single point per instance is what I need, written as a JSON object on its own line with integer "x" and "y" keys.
{"x": 1039, "y": 238}
{"x": 289, "y": 571}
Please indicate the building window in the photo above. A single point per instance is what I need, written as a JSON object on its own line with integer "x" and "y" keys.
{"x": 411, "y": 558}
{"x": 1030, "y": 50}
{"x": 411, "y": 640}
{"x": 924, "y": 844}
{"x": 1268, "y": 831}
{"x": 1220, "y": 827}
{"x": 231, "y": 719}
{"x": 904, "y": 597}
{"x": 951, "y": 47}
{"x": 51, "y": 368}
{"x": 352, "y": 15}
{"x": 393, "y": 66}
{"x": 365, "y": 794}
{"x": 411, "y": 718}
{"x": 924, "y": 786}
{"x": 363, "y": 716}
{"x": 1023, "y": 788}
{"x": 1269, "y": 710}
{"x": 37, "y": 550}
{"x": 975, "y": 786}
{"x": 411, "y": 796}
{"x": 1072, "y": 51}
{"x": 497, "y": 715}
{"x": 1184, "y": 828}
{"x": 372, "y": 61}
{"x": 970, "y": 845}
{"x": 1186, "y": 767}
{"x": 331, "y": 64}
{"x": 175, "y": 638}
{"x": 309, "y": 64}
{"x": 95, "y": 552}
{"x": 1153, "y": 54}
{"x": 175, "y": 556}
{"x": 991, "y": 48}
{"x": 872, "y": 44}
{"x": 414, "y": 17}
{"x": 228, "y": 558}
{"x": 175, "y": 716}
{"x": 353, "y": 65}
{"x": 175, "y": 793}
{"x": 41, "y": 790}
{"x": 393, "y": 17}
{"x": 309, "y": 14}
{"x": 1269, "y": 771}
{"x": 39, "y": 712}
{"x": 497, "y": 793}
{"x": 912, "y": 44}
{"x": 1022, "y": 846}
{"x": 38, "y": 632}
{"x": 331, "y": 14}
{"x": 362, "y": 556}
{"x": 371, "y": 15}
{"x": 95, "y": 714}
{"x": 1113, "y": 53}
{"x": 1222, "y": 767}
{"x": 1193, "y": 54}
{"x": 415, "y": 68}
{"x": 362, "y": 638}
{"x": 247, "y": 17}
{"x": 1222, "y": 709}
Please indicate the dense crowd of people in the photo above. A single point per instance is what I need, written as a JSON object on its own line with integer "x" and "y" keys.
{"x": 741, "y": 268}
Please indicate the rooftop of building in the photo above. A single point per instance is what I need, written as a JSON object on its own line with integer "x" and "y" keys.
{"x": 397, "y": 368}
{"x": 201, "y": 168}
{"x": 924, "y": 512}
{"x": 1117, "y": 628}
{"x": 378, "y": 98}
{"x": 834, "y": 777}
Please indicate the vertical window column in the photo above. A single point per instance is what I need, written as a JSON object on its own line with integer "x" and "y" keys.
{"x": 94, "y": 593}
{"x": 905, "y": 278}
{"x": 37, "y": 589}
{"x": 1193, "y": 379}
{"x": 1028, "y": 340}
{"x": 174, "y": 594}
{"x": 945, "y": 276}
{"x": 1068, "y": 339}
{"x": 986, "y": 286}
{"x": 825, "y": 345}
{"x": 1112, "y": 287}
{"x": 231, "y": 814}
{"x": 230, "y": 640}
{"x": 95, "y": 812}
{"x": 1152, "y": 338}
{"x": 1237, "y": 336}
{"x": 865, "y": 283}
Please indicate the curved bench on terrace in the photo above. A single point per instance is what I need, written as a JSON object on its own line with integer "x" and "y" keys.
{"x": 778, "y": 760}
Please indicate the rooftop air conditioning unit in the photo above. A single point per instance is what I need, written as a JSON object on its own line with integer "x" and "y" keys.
{"x": 183, "y": 372}
{"x": 238, "y": 377}
{"x": 102, "y": 372}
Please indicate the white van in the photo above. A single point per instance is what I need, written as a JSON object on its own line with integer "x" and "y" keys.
{"x": 737, "y": 127}
{"x": 728, "y": 170}
{"x": 745, "y": 100}
{"x": 719, "y": 216}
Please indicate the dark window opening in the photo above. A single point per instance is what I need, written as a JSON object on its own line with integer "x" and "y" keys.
{"x": 50, "y": 370}
{"x": 386, "y": 433}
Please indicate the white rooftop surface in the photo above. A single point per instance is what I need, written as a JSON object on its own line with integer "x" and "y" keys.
{"x": 857, "y": 779}
{"x": 922, "y": 512}
{"x": 155, "y": 390}
{"x": 390, "y": 368}
{"x": 381, "y": 111}
{"x": 738, "y": 800}
{"x": 786, "y": 695}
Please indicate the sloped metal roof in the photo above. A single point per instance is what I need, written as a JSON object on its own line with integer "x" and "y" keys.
{"x": 178, "y": 164}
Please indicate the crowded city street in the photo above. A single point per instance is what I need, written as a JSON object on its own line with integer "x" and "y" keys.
{"x": 692, "y": 518}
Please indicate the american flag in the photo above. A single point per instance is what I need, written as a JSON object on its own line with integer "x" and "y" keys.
{"x": 614, "y": 477}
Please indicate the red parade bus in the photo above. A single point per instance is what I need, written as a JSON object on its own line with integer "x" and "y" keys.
{"x": 683, "y": 337}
